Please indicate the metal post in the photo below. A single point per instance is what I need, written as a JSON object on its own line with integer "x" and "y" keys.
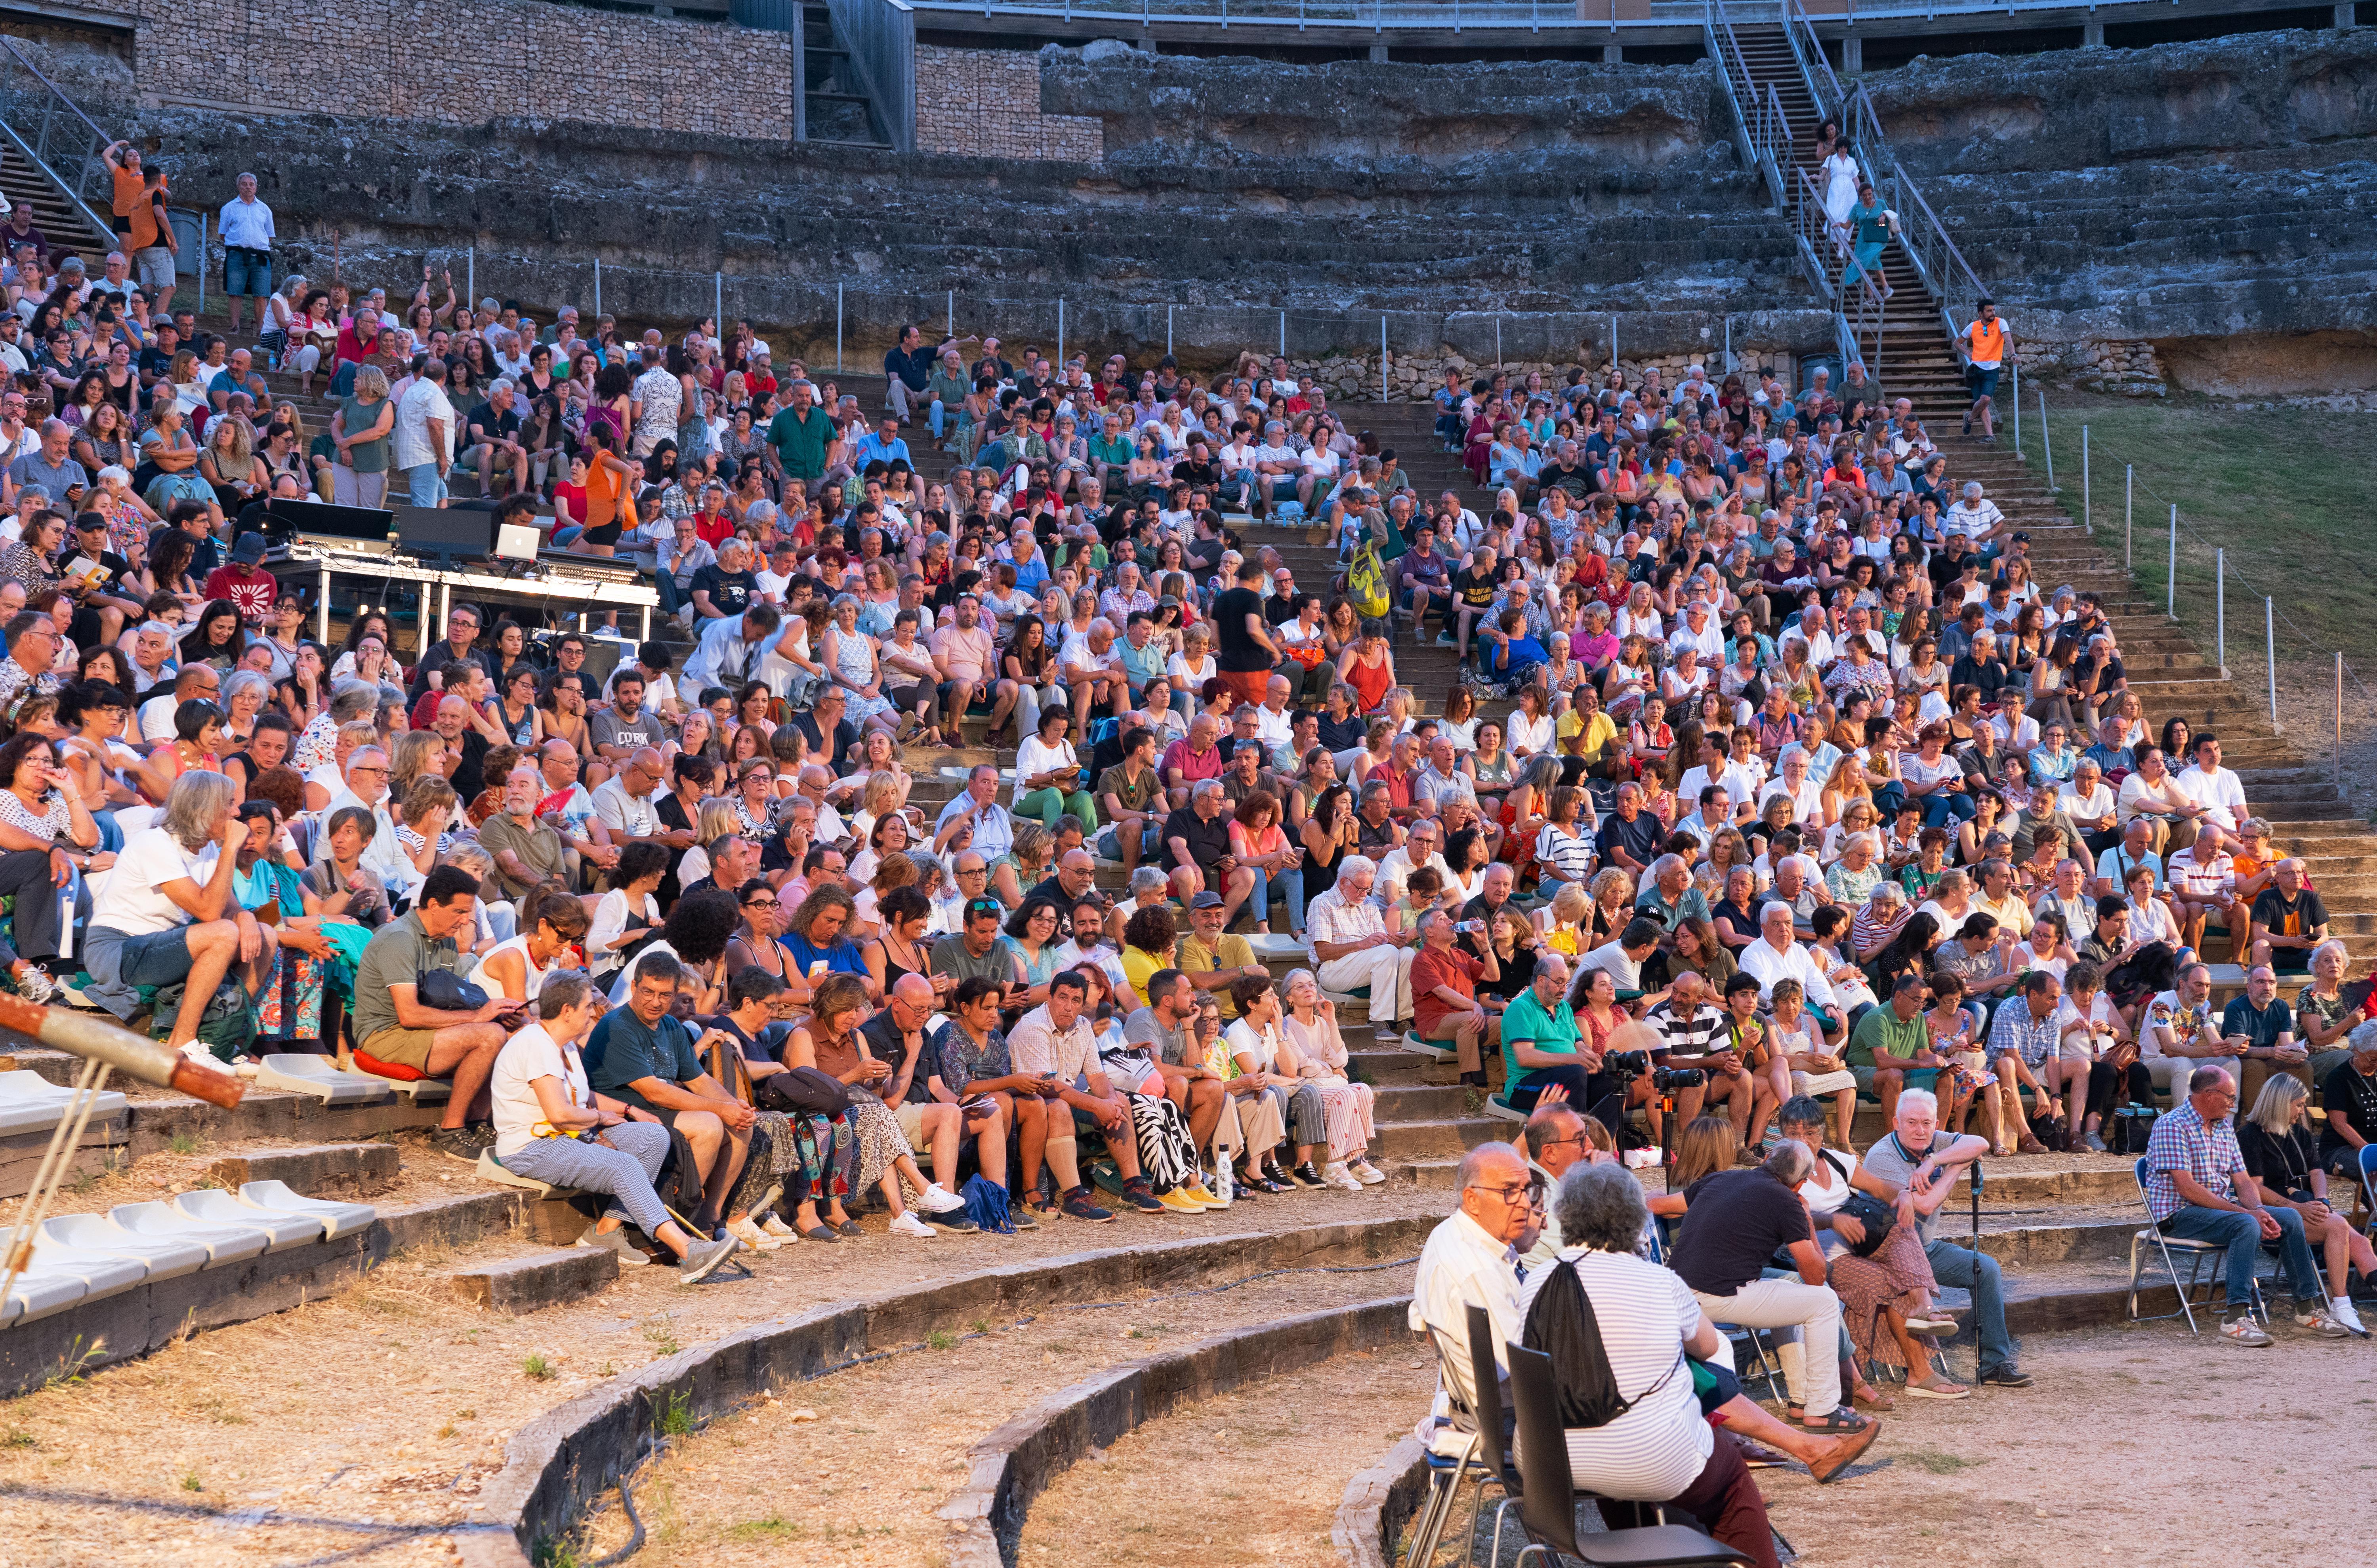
{"x": 1498, "y": 340}
{"x": 1382, "y": 356}
{"x": 2047, "y": 441}
{"x": 2129, "y": 498}
{"x": 1283, "y": 335}
{"x": 2339, "y": 722}
{"x": 204, "y": 218}
{"x": 2087, "y": 517}
{"x": 837, "y": 330}
{"x": 598, "y": 288}
{"x": 1613, "y": 339}
{"x": 471, "y": 278}
{"x": 718, "y": 304}
{"x": 1728, "y": 341}
{"x": 1061, "y": 329}
{"x": 2017, "y": 412}
{"x": 2220, "y": 610}
{"x": 2171, "y": 576}
{"x": 800, "y": 74}
{"x": 1168, "y": 331}
{"x": 951, "y": 316}
{"x": 2270, "y": 654}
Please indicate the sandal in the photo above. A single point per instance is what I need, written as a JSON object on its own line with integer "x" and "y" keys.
{"x": 819, "y": 1233}
{"x": 1938, "y": 1387}
{"x": 1837, "y": 1422}
{"x": 1873, "y": 1399}
{"x": 850, "y": 1228}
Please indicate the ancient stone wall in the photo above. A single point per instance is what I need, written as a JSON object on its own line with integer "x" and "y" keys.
{"x": 985, "y": 103}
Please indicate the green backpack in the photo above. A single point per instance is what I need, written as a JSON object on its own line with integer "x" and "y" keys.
{"x": 1365, "y": 582}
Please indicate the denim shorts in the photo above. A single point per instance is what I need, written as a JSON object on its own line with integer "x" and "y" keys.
{"x": 247, "y": 272}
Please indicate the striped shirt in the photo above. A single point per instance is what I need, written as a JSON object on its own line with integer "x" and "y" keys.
{"x": 2182, "y": 1142}
{"x": 1644, "y": 1313}
{"x": 1331, "y": 917}
{"x": 1695, "y": 1036}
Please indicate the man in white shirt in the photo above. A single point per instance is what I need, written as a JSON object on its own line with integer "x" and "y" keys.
{"x": 1976, "y": 517}
{"x": 1423, "y": 845}
{"x": 623, "y": 802}
{"x": 1472, "y": 1260}
{"x": 2216, "y": 788}
{"x": 424, "y": 435}
{"x": 1352, "y": 948}
{"x": 1807, "y": 797}
{"x": 974, "y": 819}
{"x": 1279, "y": 467}
{"x": 1697, "y": 629}
{"x": 196, "y": 683}
{"x": 2179, "y": 1031}
{"x": 1053, "y": 1043}
{"x": 1776, "y": 954}
{"x": 164, "y": 913}
{"x": 366, "y": 790}
{"x": 1274, "y": 722}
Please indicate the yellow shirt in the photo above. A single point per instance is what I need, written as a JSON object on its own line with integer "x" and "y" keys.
{"x": 1577, "y": 739}
{"x": 1196, "y": 959}
{"x": 1138, "y": 967}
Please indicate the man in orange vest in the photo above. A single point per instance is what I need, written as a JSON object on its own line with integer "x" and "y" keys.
{"x": 1984, "y": 345}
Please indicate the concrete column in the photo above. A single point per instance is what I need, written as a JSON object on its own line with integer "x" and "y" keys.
{"x": 1852, "y": 55}
{"x": 2092, "y": 35}
{"x": 1377, "y": 54}
{"x": 2345, "y": 21}
{"x": 1613, "y": 54}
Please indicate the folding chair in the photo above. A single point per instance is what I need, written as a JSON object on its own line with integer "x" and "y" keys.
{"x": 1493, "y": 1455}
{"x": 1548, "y": 1494}
{"x": 1770, "y": 1365}
{"x": 2369, "y": 1184}
{"x": 1452, "y": 1458}
{"x": 2199, "y": 1252}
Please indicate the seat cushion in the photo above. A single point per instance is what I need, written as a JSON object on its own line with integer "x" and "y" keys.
{"x": 380, "y": 1069}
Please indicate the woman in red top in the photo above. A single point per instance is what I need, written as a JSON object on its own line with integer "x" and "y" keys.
{"x": 1368, "y": 666}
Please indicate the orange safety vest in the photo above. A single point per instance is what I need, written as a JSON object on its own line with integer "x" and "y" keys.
{"x": 1987, "y": 339}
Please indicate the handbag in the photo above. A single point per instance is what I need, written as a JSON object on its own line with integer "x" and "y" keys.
{"x": 449, "y": 992}
{"x": 1867, "y": 1210}
{"x": 804, "y": 1091}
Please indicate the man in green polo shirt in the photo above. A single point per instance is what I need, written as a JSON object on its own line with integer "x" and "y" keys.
{"x": 799, "y": 434}
{"x": 1891, "y": 1047}
{"x": 1539, "y": 1041}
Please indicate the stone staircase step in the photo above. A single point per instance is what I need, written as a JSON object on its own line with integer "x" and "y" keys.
{"x": 517, "y": 1286}
{"x": 317, "y": 1170}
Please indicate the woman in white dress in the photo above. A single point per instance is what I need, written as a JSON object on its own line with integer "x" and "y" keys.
{"x": 1840, "y": 186}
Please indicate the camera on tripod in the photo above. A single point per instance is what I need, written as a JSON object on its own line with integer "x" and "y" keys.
{"x": 1628, "y": 1065}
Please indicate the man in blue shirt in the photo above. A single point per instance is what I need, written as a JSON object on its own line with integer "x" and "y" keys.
{"x": 883, "y": 443}
{"x": 642, "y": 1055}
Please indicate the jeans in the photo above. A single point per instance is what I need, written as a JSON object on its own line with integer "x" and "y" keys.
{"x": 625, "y": 1174}
{"x": 247, "y": 272}
{"x": 1977, "y": 1273}
{"x": 1291, "y": 883}
{"x": 1945, "y": 808}
{"x": 426, "y": 485}
{"x": 1237, "y": 489}
{"x": 2242, "y": 1234}
{"x": 1807, "y": 1319}
{"x": 1888, "y": 799}
{"x": 1150, "y": 842}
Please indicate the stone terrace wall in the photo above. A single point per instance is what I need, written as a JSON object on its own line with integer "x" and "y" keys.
{"x": 985, "y": 103}
{"x": 466, "y": 62}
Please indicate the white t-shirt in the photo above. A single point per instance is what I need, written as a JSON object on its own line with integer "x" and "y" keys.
{"x": 526, "y": 1057}
{"x": 1032, "y": 757}
{"x": 157, "y": 717}
{"x": 130, "y": 899}
{"x": 423, "y": 400}
{"x": 2100, "y": 1011}
{"x": 2166, "y": 1016}
{"x": 1645, "y": 1313}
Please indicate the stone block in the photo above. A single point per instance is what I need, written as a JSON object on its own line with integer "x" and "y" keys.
{"x": 321, "y": 1171}
{"x": 543, "y": 1279}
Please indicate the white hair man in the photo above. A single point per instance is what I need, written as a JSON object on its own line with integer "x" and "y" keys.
{"x": 1352, "y": 948}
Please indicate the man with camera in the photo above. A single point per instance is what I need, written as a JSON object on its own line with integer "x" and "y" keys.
{"x": 1444, "y": 993}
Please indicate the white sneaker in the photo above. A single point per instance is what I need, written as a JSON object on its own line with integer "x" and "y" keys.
{"x": 2346, "y": 1313}
{"x": 1334, "y": 1174}
{"x": 774, "y": 1226}
{"x": 909, "y": 1225}
{"x": 751, "y": 1236}
{"x": 2321, "y": 1324}
{"x": 1367, "y": 1174}
{"x": 938, "y": 1199}
{"x": 2246, "y": 1332}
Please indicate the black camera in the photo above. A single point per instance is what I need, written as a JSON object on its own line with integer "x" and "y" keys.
{"x": 1628, "y": 1065}
{"x": 1679, "y": 1078}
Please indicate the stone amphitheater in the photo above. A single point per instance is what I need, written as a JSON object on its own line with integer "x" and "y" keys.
{"x": 441, "y": 1377}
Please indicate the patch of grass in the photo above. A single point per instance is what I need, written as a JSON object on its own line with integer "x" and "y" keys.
{"x": 190, "y": 1481}
{"x": 550, "y": 1553}
{"x": 660, "y": 1332}
{"x": 672, "y": 1413}
{"x": 537, "y": 1367}
{"x": 773, "y": 1527}
{"x": 466, "y": 1415}
{"x": 68, "y": 1371}
{"x": 185, "y": 1143}
{"x": 1939, "y": 1461}
{"x": 2273, "y": 488}
{"x": 981, "y": 1325}
{"x": 18, "y": 1437}
{"x": 940, "y": 1339}
{"x": 448, "y": 1430}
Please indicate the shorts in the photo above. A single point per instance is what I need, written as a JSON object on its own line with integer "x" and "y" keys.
{"x": 400, "y": 1047}
{"x": 1822, "y": 1083}
{"x": 154, "y": 268}
{"x": 247, "y": 272}
{"x": 156, "y": 957}
{"x": 912, "y": 1123}
{"x": 1150, "y": 842}
{"x": 608, "y": 534}
{"x": 1915, "y": 1078}
{"x": 424, "y": 485}
{"x": 1984, "y": 382}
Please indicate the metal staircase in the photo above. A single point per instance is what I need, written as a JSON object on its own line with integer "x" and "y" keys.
{"x": 1782, "y": 89}
{"x": 50, "y": 158}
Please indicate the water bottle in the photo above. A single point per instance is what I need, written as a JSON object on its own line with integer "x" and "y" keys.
{"x": 1223, "y": 1185}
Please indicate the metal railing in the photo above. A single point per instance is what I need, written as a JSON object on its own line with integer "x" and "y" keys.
{"x": 53, "y": 134}
{"x": 1461, "y": 15}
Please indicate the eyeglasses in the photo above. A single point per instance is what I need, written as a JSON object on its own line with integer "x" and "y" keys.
{"x": 761, "y": 904}
{"x": 1531, "y": 1191}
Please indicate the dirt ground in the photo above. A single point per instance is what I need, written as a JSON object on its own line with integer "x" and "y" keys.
{"x": 879, "y": 1448}
{"x": 2136, "y": 1444}
{"x": 1254, "y": 1476}
{"x": 366, "y": 1421}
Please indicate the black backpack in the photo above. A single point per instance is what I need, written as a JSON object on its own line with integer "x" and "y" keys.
{"x": 1562, "y": 1325}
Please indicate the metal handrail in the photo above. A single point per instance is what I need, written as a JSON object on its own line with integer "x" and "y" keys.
{"x": 1439, "y": 15}
{"x": 32, "y": 134}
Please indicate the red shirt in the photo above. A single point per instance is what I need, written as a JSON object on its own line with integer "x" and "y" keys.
{"x": 713, "y": 528}
{"x": 572, "y": 498}
{"x": 1451, "y": 968}
{"x": 251, "y": 588}
{"x": 1193, "y": 768}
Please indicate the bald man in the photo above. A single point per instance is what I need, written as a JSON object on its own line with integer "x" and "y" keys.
{"x": 1074, "y": 878}
{"x": 897, "y": 1035}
